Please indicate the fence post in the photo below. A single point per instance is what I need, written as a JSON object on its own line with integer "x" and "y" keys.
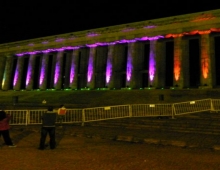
{"x": 27, "y": 117}
{"x": 83, "y": 117}
{"x": 173, "y": 111}
{"x": 130, "y": 110}
{"x": 212, "y": 107}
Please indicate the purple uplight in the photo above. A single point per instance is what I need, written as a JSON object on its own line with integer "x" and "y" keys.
{"x": 72, "y": 73}
{"x": 126, "y": 41}
{"x": 129, "y": 67}
{"x": 149, "y": 38}
{"x": 15, "y": 77}
{"x": 90, "y": 69}
{"x": 57, "y": 73}
{"x": 151, "y": 67}
{"x": 28, "y": 75}
{"x": 91, "y": 45}
{"x": 20, "y": 55}
{"x": 42, "y": 73}
{"x": 108, "y": 70}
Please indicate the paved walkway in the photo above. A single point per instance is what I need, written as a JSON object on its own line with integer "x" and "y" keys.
{"x": 178, "y": 139}
{"x": 94, "y": 148}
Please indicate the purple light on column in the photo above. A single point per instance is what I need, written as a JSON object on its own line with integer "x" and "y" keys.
{"x": 15, "y": 77}
{"x": 149, "y": 38}
{"x": 28, "y": 75}
{"x": 57, "y": 72}
{"x": 125, "y": 41}
{"x": 42, "y": 75}
{"x": 151, "y": 67}
{"x": 90, "y": 69}
{"x": 91, "y": 45}
{"x": 108, "y": 70}
{"x": 129, "y": 68}
{"x": 19, "y": 55}
{"x": 72, "y": 74}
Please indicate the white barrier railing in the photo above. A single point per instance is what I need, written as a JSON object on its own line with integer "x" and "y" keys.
{"x": 26, "y": 117}
{"x": 103, "y": 113}
{"x": 141, "y": 110}
{"x": 192, "y": 106}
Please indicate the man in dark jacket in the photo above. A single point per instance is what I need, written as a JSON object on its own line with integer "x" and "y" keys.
{"x": 48, "y": 126}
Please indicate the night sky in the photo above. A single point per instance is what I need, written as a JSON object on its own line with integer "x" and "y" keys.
{"x": 22, "y": 19}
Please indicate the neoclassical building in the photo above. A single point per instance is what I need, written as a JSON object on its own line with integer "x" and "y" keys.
{"x": 174, "y": 52}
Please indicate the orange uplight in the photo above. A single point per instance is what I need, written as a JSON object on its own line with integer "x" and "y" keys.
{"x": 204, "y": 32}
{"x": 173, "y": 35}
{"x": 177, "y": 69}
{"x": 205, "y": 67}
{"x": 215, "y": 29}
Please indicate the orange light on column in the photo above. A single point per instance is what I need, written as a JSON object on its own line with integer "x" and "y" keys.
{"x": 176, "y": 69}
{"x": 204, "y": 32}
{"x": 205, "y": 67}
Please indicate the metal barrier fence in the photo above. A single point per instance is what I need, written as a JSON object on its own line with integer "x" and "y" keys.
{"x": 103, "y": 113}
{"x": 192, "y": 106}
{"x": 28, "y": 117}
{"x": 142, "y": 110}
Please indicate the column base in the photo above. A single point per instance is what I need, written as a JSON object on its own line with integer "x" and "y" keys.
{"x": 149, "y": 88}
{"x": 205, "y": 87}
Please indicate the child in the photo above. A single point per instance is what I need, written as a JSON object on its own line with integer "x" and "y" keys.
{"x": 61, "y": 114}
{"x": 4, "y": 128}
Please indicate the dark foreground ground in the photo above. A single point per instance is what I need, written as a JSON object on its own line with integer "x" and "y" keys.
{"x": 85, "y": 149}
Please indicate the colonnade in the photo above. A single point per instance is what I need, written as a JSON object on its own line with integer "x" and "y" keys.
{"x": 132, "y": 65}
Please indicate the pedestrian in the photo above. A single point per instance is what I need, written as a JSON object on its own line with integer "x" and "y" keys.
{"x": 61, "y": 114}
{"x": 4, "y": 128}
{"x": 48, "y": 127}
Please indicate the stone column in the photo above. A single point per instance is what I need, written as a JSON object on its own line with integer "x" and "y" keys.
{"x": 58, "y": 70}
{"x": 7, "y": 73}
{"x": 181, "y": 63}
{"x": 119, "y": 65}
{"x": 2, "y": 68}
{"x": 43, "y": 72}
{"x": 134, "y": 65}
{"x": 206, "y": 58}
{"x": 67, "y": 66}
{"x": 91, "y": 68}
{"x": 74, "y": 69}
{"x": 30, "y": 72}
{"x": 157, "y": 64}
{"x": 83, "y": 68}
{"x": 100, "y": 66}
{"x": 109, "y": 68}
{"x": 18, "y": 73}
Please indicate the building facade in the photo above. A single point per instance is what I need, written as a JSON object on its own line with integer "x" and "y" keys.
{"x": 174, "y": 52}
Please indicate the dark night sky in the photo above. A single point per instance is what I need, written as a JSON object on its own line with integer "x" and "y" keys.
{"x": 24, "y": 19}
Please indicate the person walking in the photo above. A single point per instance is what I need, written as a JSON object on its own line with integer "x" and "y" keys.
{"x": 4, "y": 128}
{"x": 48, "y": 127}
{"x": 61, "y": 114}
